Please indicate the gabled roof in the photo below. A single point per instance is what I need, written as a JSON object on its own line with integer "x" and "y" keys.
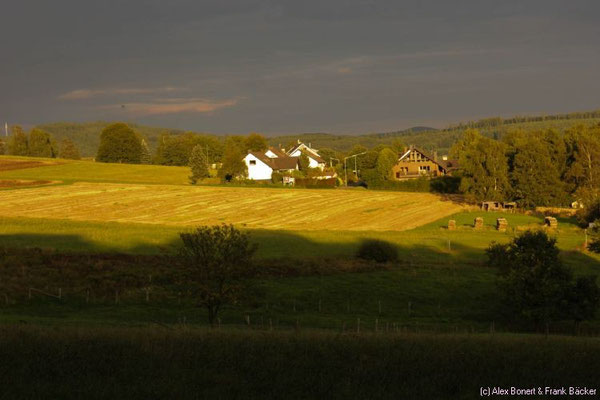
{"x": 311, "y": 152}
{"x": 313, "y": 155}
{"x": 277, "y": 152}
{"x": 285, "y": 162}
{"x": 278, "y": 163}
{"x": 445, "y": 164}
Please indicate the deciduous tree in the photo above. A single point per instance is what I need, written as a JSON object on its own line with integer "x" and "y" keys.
{"x": 119, "y": 144}
{"x": 68, "y": 150}
{"x": 255, "y": 142}
{"x": 217, "y": 262}
{"x": 484, "y": 167}
{"x": 40, "y": 144}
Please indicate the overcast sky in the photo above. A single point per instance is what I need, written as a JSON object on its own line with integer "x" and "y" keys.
{"x": 348, "y": 66}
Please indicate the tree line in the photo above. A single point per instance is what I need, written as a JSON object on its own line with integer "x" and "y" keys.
{"x": 37, "y": 143}
{"x": 532, "y": 168}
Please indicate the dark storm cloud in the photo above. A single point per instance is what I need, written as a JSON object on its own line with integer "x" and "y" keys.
{"x": 285, "y": 66}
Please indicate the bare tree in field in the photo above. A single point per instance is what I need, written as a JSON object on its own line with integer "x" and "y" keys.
{"x": 217, "y": 262}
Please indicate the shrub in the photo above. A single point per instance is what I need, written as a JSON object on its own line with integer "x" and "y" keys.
{"x": 377, "y": 250}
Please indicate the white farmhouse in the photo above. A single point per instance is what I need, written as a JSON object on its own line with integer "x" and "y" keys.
{"x": 261, "y": 165}
{"x": 314, "y": 159}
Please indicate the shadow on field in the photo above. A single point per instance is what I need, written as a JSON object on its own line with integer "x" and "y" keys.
{"x": 286, "y": 245}
{"x": 59, "y": 242}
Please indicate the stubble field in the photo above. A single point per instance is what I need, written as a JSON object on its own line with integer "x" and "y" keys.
{"x": 256, "y": 208}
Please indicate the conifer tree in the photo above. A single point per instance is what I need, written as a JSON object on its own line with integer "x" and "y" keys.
{"x": 198, "y": 164}
{"x": 17, "y": 142}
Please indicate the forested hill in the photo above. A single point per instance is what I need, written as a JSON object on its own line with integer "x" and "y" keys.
{"x": 86, "y": 135}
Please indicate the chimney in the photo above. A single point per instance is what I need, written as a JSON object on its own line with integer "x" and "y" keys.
{"x": 309, "y": 145}
{"x": 435, "y": 157}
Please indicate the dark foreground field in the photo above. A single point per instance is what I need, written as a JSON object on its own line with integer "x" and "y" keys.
{"x": 190, "y": 364}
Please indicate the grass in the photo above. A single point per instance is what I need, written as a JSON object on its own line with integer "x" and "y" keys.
{"x": 144, "y": 363}
{"x": 69, "y": 171}
{"x": 446, "y": 288}
{"x": 426, "y": 245}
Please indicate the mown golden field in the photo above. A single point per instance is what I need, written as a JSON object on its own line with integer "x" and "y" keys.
{"x": 262, "y": 208}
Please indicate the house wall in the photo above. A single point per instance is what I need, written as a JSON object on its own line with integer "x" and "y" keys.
{"x": 413, "y": 169}
{"x": 312, "y": 163}
{"x": 259, "y": 170}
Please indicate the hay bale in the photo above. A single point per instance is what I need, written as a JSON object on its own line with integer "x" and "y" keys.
{"x": 501, "y": 224}
{"x": 478, "y": 223}
{"x": 551, "y": 222}
{"x": 451, "y": 225}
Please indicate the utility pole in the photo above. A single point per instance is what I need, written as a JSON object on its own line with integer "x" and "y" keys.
{"x": 346, "y": 168}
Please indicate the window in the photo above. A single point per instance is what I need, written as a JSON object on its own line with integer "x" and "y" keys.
{"x": 397, "y": 174}
{"x": 252, "y": 162}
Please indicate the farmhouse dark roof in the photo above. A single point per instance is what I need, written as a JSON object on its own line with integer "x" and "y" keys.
{"x": 278, "y": 152}
{"x": 284, "y": 162}
{"x": 314, "y": 156}
{"x": 278, "y": 163}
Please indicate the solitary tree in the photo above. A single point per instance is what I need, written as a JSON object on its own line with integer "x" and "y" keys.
{"x": 233, "y": 165}
{"x": 119, "y": 143}
{"x": 217, "y": 262}
{"x": 198, "y": 164}
{"x": 17, "y": 143}
{"x": 145, "y": 157}
{"x": 68, "y": 150}
{"x": 304, "y": 163}
{"x": 40, "y": 144}
{"x": 385, "y": 161}
{"x": 536, "y": 284}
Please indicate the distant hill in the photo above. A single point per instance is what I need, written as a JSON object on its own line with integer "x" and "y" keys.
{"x": 87, "y": 135}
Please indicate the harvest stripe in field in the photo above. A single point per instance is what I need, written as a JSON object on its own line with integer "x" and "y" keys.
{"x": 265, "y": 208}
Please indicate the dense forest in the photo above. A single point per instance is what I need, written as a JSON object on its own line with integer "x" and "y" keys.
{"x": 87, "y": 135}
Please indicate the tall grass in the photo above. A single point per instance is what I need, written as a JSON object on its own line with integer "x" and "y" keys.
{"x": 189, "y": 364}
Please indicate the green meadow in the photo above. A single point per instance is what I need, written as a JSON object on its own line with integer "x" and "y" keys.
{"x": 440, "y": 282}
{"x": 68, "y": 171}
